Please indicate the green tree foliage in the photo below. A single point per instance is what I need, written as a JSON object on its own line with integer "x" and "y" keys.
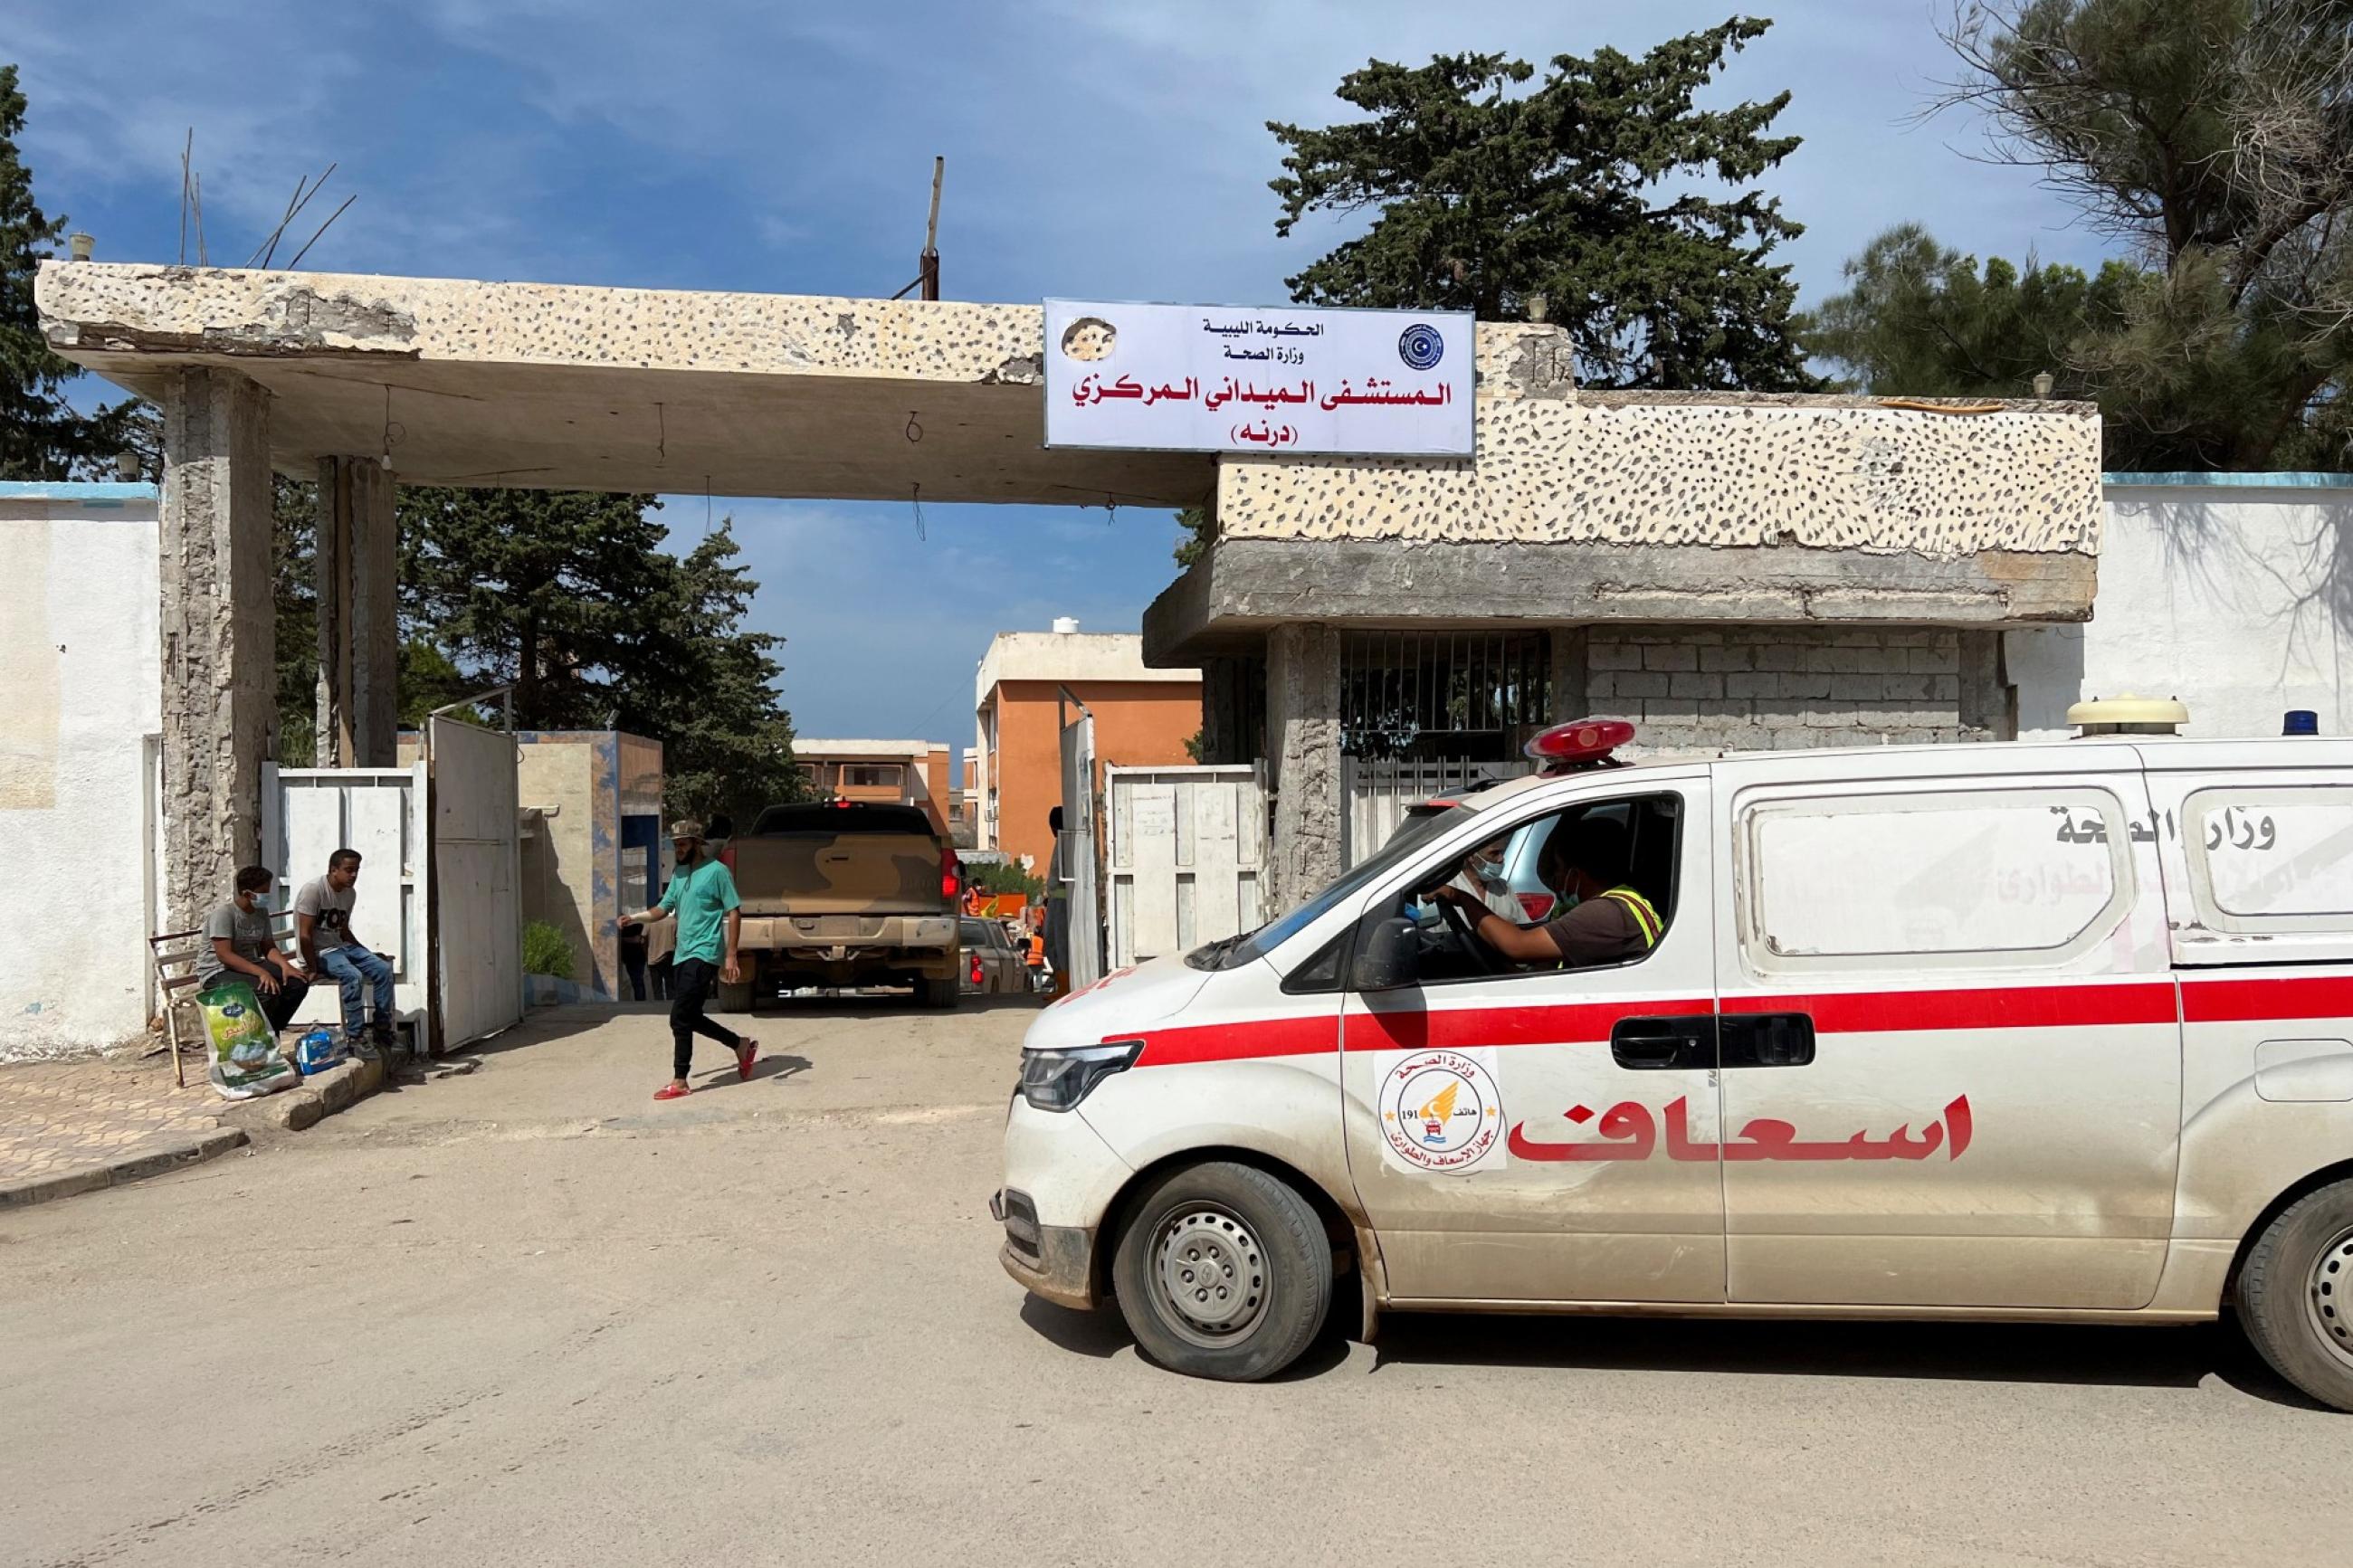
{"x": 1592, "y": 188}
{"x": 41, "y": 436}
{"x": 1196, "y": 533}
{"x": 571, "y": 599}
{"x": 2213, "y": 138}
{"x": 1004, "y": 877}
{"x": 1930, "y": 321}
{"x": 294, "y": 582}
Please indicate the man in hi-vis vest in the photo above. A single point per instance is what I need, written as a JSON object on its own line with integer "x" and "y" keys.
{"x": 1603, "y": 919}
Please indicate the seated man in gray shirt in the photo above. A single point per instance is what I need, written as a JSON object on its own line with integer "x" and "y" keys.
{"x": 323, "y": 919}
{"x": 239, "y": 945}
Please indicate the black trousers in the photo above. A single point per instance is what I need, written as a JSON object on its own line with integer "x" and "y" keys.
{"x": 690, "y": 981}
{"x": 280, "y": 1007}
{"x": 633, "y": 964}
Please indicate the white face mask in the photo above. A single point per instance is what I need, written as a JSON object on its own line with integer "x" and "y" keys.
{"x": 1489, "y": 874}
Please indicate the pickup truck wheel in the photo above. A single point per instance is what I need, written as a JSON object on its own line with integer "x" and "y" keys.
{"x": 940, "y": 993}
{"x": 2295, "y": 1294}
{"x": 735, "y": 998}
{"x": 1223, "y": 1272}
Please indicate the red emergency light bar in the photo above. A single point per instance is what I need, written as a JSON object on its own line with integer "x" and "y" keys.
{"x": 1587, "y": 743}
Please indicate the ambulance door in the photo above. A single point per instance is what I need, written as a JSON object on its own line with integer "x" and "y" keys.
{"x": 1525, "y": 1134}
{"x": 1951, "y": 1059}
{"x": 2259, "y": 875}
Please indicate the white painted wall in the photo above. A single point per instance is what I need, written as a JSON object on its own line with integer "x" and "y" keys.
{"x": 2233, "y": 592}
{"x": 81, "y": 705}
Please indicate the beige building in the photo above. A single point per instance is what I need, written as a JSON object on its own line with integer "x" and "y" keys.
{"x": 1144, "y": 716}
{"x": 592, "y": 840}
{"x": 890, "y": 773}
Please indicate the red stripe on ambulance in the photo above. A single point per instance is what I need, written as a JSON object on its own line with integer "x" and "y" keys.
{"x": 2069, "y": 1006}
{"x": 2004, "y": 1007}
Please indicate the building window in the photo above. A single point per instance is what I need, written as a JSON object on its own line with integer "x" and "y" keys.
{"x": 1424, "y": 696}
{"x": 872, "y": 776}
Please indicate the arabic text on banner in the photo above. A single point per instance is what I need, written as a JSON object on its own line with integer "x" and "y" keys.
{"x": 1213, "y": 378}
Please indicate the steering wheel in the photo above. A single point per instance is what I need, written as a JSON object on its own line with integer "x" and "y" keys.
{"x": 1463, "y": 927}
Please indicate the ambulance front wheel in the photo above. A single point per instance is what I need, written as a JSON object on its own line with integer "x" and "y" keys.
{"x": 1223, "y": 1271}
{"x": 2295, "y": 1294}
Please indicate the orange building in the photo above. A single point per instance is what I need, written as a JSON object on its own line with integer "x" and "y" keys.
{"x": 890, "y": 773}
{"x": 1143, "y": 717}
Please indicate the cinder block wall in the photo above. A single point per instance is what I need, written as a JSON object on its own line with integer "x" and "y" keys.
{"x": 1761, "y": 688}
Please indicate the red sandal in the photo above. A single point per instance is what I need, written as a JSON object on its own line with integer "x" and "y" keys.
{"x": 672, "y": 1091}
{"x": 746, "y": 1055}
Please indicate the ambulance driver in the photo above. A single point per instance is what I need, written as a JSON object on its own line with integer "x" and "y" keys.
{"x": 1602, "y": 920}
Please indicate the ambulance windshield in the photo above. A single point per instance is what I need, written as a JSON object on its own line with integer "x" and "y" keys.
{"x": 1421, "y": 825}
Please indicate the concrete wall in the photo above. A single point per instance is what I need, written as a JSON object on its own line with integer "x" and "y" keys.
{"x": 572, "y": 868}
{"x": 81, "y": 648}
{"x": 1771, "y": 688}
{"x": 2232, "y": 592}
{"x": 1702, "y": 469}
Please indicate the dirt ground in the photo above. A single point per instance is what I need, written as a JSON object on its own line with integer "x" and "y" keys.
{"x": 530, "y": 1316}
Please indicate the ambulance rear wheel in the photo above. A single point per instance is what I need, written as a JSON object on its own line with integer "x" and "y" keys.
{"x": 1223, "y": 1272}
{"x": 2295, "y": 1294}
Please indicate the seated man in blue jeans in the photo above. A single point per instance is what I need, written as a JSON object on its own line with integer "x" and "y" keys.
{"x": 322, "y": 919}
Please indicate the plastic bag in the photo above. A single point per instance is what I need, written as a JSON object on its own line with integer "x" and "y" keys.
{"x": 244, "y": 1062}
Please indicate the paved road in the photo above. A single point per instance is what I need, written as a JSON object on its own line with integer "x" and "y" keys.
{"x": 531, "y": 1317}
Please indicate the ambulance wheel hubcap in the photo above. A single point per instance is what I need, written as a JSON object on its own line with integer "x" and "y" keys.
{"x": 2329, "y": 1297}
{"x": 1210, "y": 1274}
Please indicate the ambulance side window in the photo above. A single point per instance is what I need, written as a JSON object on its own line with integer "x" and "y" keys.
{"x": 2007, "y": 877}
{"x": 1637, "y": 838}
{"x": 2271, "y": 859}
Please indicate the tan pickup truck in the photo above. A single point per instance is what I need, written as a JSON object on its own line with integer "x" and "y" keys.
{"x": 846, "y": 895}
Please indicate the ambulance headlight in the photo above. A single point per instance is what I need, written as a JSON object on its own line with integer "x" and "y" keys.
{"x": 1058, "y": 1079}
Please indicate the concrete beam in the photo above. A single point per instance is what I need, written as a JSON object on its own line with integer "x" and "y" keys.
{"x": 1226, "y": 600}
{"x": 1303, "y": 735}
{"x": 219, "y": 625}
{"x": 358, "y": 558}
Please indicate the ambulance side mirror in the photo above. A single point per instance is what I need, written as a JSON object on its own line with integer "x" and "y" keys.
{"x": 1390, "y": 958}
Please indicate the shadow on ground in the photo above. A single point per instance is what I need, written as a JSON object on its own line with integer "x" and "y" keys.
{"x": 2049, "y": 1353}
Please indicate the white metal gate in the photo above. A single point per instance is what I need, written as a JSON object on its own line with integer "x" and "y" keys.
{"x": 308, "y": 814}
{"x": 1083, "y": 947}
{"x": 1380, "y": 793}
{"x": 477, "y": 881}
{"x": 1185, "y": 852}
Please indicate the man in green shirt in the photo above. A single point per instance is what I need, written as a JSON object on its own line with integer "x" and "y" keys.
{"x": 701, "y": 895}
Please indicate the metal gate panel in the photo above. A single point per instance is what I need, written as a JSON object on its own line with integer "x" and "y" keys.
{"x": 477, "y": 880}
{"x": 1185, "y": 851}
{"x": 1083, "y": 948}
{"x": 1377, "y": 794}
{"x": 308, "y": 814}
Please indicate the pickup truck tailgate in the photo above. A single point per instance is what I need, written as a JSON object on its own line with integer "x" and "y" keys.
{"x": 803, "y": 873}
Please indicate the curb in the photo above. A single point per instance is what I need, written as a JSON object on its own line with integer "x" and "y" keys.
{"x": 322, "y": 1095}
{"x": 41, "y": 1190}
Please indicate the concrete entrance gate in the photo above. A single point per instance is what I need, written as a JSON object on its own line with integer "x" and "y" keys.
{"x": 1662, "y": 520}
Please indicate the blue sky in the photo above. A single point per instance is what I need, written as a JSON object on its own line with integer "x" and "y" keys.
{"x": 1095, "y": 148}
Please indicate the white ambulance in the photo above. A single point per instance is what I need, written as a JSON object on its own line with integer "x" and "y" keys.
{"x": 2051, "y": 1032}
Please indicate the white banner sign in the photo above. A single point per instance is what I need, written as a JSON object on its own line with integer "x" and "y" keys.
{"x": 1214, "y": 378}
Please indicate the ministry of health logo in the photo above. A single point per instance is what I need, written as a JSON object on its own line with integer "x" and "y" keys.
{"x": 1420, "y": 346}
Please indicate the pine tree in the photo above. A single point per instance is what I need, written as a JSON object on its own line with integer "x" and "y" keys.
{"x": 1589, "y": 189}
{"x": 573, "y": 600}
{"x": 41, "y": 436}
